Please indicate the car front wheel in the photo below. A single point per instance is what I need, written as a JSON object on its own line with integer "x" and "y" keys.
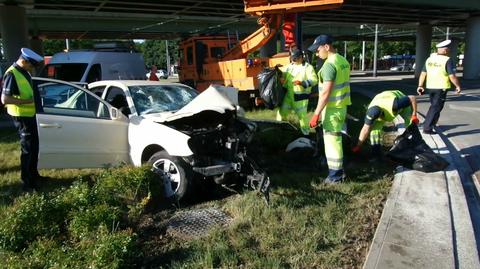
{"x": 174, "y": 171}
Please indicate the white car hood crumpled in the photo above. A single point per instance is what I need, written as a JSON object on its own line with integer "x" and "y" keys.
{"x": 215, "y": 98}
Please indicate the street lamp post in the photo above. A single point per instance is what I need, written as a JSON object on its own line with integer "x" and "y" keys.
{"x": 363, "y": 56}
{"x": 168, "y": 57}
{"x": 375, "y": 52}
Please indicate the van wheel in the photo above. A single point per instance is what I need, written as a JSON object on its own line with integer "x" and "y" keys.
{"x": 175, "y": 171}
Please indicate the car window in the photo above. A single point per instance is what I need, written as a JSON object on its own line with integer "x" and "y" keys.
{"x": 67, "y": 100}
{"x": 149, "y": 99}
{"x": 117, "y": 98}
{"x": 98, "y": 91}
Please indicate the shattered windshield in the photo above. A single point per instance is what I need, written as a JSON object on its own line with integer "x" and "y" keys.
{"x": 150, "y": 99}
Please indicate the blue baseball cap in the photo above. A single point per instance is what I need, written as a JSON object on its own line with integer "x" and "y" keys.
{"x": 31, "y": 56}
{"x": 295, "y": 54}
{"x": 320, "y": 41}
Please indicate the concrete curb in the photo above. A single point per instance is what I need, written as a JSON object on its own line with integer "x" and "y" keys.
{"x": 425, "y": 222}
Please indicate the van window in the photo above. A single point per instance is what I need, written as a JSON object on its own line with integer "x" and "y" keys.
{"x": 95, "y": 73}
{"x": 66, "y": 72}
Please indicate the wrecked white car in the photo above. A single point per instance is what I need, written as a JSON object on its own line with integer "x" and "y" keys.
{"x": 187, "y": 137}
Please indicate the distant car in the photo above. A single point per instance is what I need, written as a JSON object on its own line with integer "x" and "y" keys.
{"x": 402, "y": 67}
{"x": 160, "y": 74}
{"x": 188, "y": 138}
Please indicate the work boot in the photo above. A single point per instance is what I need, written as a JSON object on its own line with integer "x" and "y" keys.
{"x": 330, "y": 180}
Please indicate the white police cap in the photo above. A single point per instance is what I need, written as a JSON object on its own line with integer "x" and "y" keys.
{"x": 31, "y": 56}
{"x": 444, "y": 43}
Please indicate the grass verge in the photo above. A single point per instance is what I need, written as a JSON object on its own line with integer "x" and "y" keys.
{"x": 99, "y": 218}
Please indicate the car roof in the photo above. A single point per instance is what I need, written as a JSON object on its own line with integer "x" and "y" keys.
{"x": 131, "y": 83}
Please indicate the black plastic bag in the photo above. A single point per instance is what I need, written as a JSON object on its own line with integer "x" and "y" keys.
{"x": 429, "y": 162}
{"x": 271, "y": 90}
{"x": 411, "y": 151}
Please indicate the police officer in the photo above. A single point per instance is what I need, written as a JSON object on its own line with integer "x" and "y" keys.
{"x": 384, "y": 107}
{"x": 334, "y": 97}
{"x": 439, "y": 70}
{"x": 19, "y": 99}
{"x": 298, "y": 78}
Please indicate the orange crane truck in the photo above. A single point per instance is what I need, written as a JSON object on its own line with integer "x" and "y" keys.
{"x": 206, "y": 60}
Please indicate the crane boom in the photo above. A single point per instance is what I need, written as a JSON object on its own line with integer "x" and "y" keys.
{"x": 261, "y": 7}
{"x": 256, "y": 40}
{"x": 209, "y": 60}
{"x": 271, "y": 13}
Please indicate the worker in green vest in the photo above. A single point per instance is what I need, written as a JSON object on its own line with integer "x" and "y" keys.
{"x": 19, "y": 98}
{"x": 439, "y": 71}
{"x": 333, "y": 99}
{"x": 384, "y": 107}
{"x": 298, "y": 78}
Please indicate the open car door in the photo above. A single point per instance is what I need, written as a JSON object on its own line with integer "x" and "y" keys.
{"x": 77, "y": 129}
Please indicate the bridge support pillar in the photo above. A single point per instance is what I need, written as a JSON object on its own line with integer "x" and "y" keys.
{"x": 422, "y": 49}
{"x": 471, "y": 62}
{"x": 13, "y": 26}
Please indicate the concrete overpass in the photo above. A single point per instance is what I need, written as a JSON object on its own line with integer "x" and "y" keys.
{"x": 27, "y": 22}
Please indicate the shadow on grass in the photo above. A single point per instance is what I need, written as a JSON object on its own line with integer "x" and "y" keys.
{"x": 4, "y": 170}
{"x": 9, "y": 192}
{"x": 8, "y": 135}
{"x": 300, "y": 198}
{"x": 52, "y": 184}
{"x": 165, "y": 259}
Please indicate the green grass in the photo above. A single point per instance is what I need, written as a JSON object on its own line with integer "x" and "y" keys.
{"x": 112, "y": 219}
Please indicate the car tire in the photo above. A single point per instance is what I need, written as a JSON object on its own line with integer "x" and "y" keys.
{"x": 179, "y": 173}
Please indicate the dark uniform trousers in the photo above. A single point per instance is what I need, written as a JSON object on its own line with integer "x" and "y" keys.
{"x": 27, "y": 130}
{"x": 437, "y": 100}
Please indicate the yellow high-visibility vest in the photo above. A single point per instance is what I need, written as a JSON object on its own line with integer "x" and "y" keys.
{"x": 300, "y": 72}
{"x": 340, "y": 95}
{"x": 437, "y": 76}
{"x": 26, "y": 92}
{"x": 384, "y": 101}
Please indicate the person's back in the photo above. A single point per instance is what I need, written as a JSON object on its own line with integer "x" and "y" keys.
{"x": 439, "y": 73}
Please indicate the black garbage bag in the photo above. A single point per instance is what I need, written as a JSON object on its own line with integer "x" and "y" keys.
{"x": 271, "y": 90}
{"x": 410, "y": 150}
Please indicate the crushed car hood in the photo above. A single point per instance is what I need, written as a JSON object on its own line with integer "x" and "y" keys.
{"x": 216, "y": 98}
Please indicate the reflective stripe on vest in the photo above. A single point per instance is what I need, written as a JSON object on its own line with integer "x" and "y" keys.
{"x": 26, "y": 92}
{"x": 340, "y": 95}
{"x": 437, "y": 76}
{"x": 384, "y": 101}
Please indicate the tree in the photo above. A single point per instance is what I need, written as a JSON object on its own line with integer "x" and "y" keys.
{"x": 52, "y": 46}
{"x": 154, "y": 52}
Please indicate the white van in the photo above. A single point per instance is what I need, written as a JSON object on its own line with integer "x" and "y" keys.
{"x": 90, "y": 66}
